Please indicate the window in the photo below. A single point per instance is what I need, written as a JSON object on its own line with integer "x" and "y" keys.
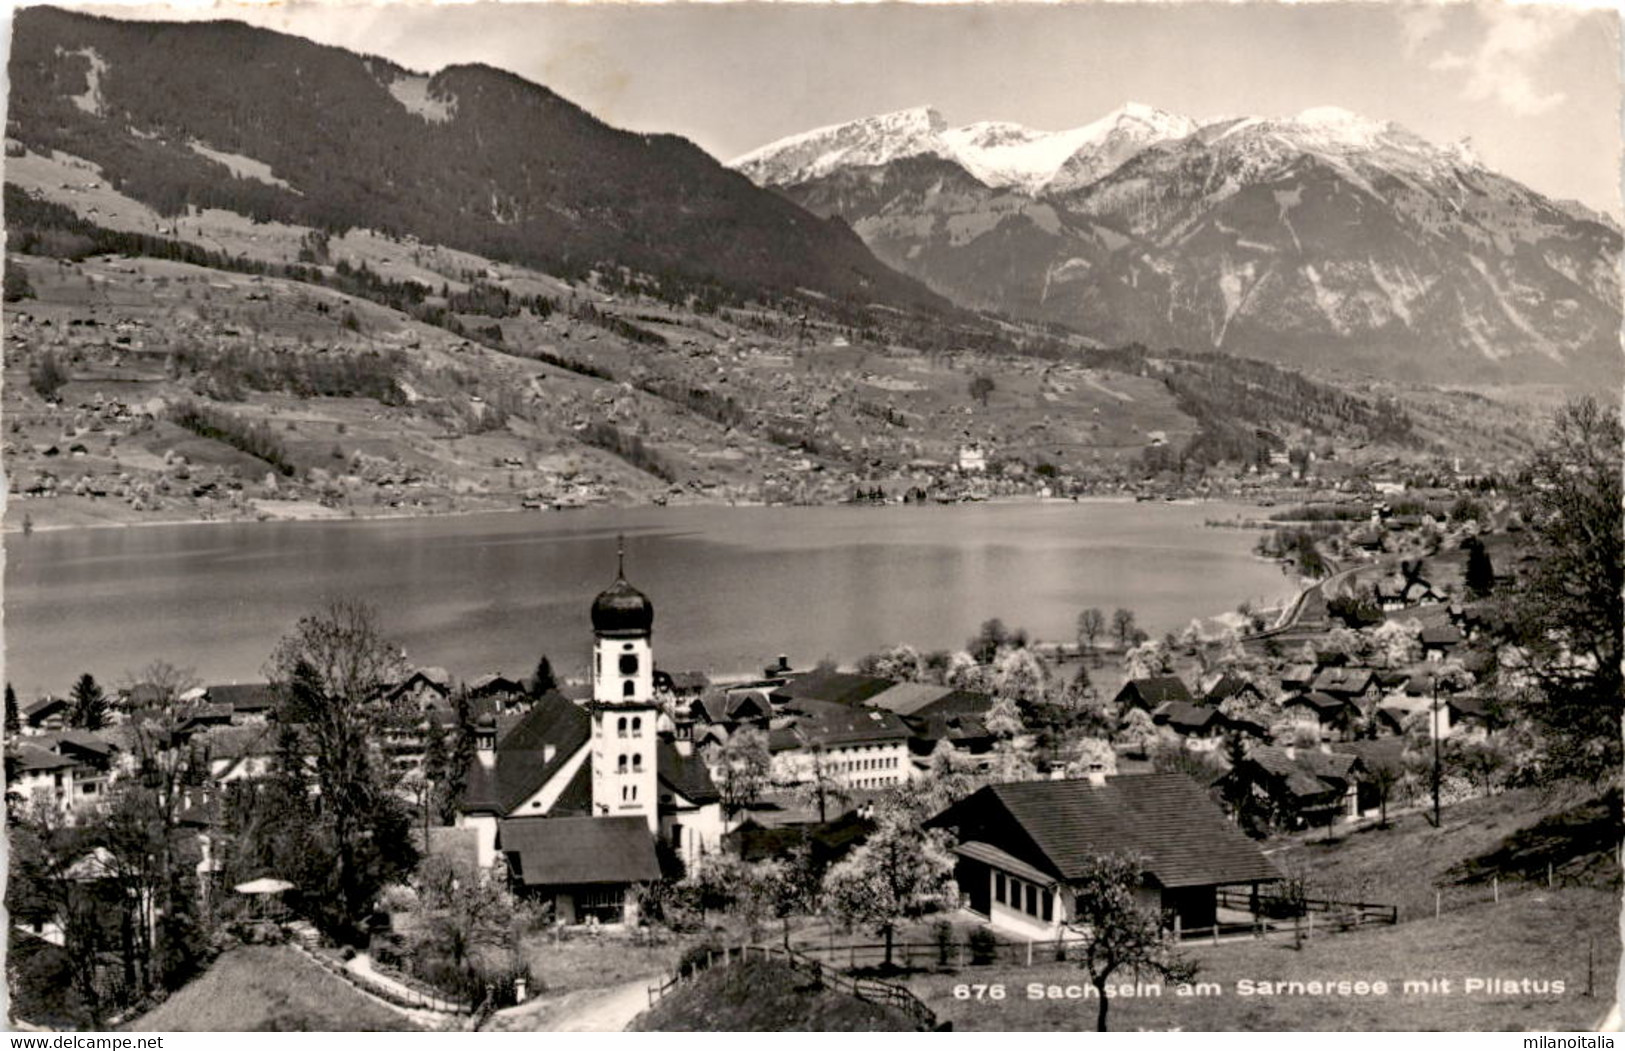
{"x": 1032, "y": 900}
{"x": 620, "y": 765}
{"x": 627, "y": 688}
{"x": 605, "y": 904}
{"x": 637, "y": 762}
{"x": 998, "y": 887}
{"x": 637, "y": 724}
{"x": 620, "y": 726}
{"x": 1049, "y": 906}
{"x": 629, "y": 664}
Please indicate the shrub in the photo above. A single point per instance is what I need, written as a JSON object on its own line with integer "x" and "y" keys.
{"x": 984, "y": 947}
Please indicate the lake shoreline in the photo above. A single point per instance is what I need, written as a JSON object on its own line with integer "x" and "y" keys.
{"x": 10, "y": 528}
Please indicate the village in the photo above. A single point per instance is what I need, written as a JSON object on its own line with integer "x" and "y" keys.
{"x": 654, "y": 809}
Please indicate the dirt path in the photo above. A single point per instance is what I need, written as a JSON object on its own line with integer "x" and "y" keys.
{"x": 584, "y": 1011}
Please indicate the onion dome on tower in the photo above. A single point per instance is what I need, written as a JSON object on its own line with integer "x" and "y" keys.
{"x": 622, "y": 611}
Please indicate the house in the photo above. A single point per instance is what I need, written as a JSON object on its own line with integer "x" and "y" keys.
{"x": 1021, "y": 848}
{"x": 1297, "y": 677}
{"x": 1297, "y": 787}
{"x": 239, "y": 753}
{"x": 587, "y": 866}
{"x": 1151, "y": 693}
{"x": 423, "y": 688}
{"x": 573, "y": 797}
{"x": 69, "y": 770}
{"x": 1383, "y": 759}
{"x": 249, "y": 702}
{"x": 861, "y": 747}
{"x": 46, "y": 714}
{"x": 1232, "y": 686}
{"x": 1354, "y": 684}
{"x": 1440, "y": 640}
{"x": 682, "y": 685}
{"x": 507, "y": 693}
{"x": 1327, "y": 716}
{"x": 1200, "y": 727}
{"x": 760, "y": 838}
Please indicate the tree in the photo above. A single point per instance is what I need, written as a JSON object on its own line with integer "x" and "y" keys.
{"x": 1565, "y": 614}
{"x": 1091, "y": 622}
{"x": 544, "y": 680}
{"x": 1123, "y": 626}
{"x": 1021, "y": 676}
{"x": 89, "y": 711}
{"x": 1148, "y": 659}
{"x": 330, "y": 673}
{"x": 17, "y": 287}
{"x": 14, "y": 722}
{"x": 1480, "y": 571}
{"x": 981, "y": 387}
{"x": 898, "y": 874}
{"x": 740, "y": 767}
{"x": 824, "y": 788}
{"x": 1116, "y": 932}
{"x": 991, "y": 637}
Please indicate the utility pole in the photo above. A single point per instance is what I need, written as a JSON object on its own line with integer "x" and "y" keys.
{"x": 1434, "y": 729}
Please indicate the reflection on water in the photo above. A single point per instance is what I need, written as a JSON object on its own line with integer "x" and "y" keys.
{"x": 732, "y": 587}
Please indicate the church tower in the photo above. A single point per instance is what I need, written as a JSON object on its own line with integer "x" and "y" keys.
{"x": 624, "y": 712}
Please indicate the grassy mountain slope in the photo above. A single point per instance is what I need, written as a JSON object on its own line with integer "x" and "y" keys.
{"x": 276, "y": 127}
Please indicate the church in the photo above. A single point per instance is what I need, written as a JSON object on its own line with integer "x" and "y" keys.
{"x": 583, "y": 802}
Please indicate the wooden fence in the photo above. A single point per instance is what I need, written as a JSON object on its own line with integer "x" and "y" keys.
{"x": 1346, "y": 913}
{"x": 869, "y": 989}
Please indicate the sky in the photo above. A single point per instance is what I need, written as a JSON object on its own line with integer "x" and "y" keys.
{"x": 1535, "y": 87}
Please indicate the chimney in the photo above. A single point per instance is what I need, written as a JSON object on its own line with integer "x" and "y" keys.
{"x": 784, "y": 662}
{"x": 1097, "y": 778}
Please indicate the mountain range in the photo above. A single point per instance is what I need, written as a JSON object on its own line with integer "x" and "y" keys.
{"x": 1325, "y": 239}
{"x": 220, "y": 114}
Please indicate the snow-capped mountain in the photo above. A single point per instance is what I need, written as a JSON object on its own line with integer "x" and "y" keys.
{"x": 1325, "y": 237}
{"x": 999, "y": 154}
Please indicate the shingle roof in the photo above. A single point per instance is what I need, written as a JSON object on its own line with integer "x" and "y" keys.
{"x": 685, "y": 775}
{"x": 244, "y": 697}
{"x": 907, "y": 698}
{"x": 1332, "y": 766}
{"x": 565, "y": 851}
{"x": 523, "y": 764}
{"x": 1166, "y": 818}
{"x": 1157, "y": 689}
{"x": 1228, "y": 686}
{"x": 1185, "y": 717}
{"x": 837, "y": 687}
{"x": 831, "y": 724}
{"x": 27, "y": 758}
{"x": 1322, "y": 703}
{"x": 39, "y": 707}
{"x": 1379, "y": 753}
{"x": 1343, "y": 680}
{"x": 1441, "y": 635}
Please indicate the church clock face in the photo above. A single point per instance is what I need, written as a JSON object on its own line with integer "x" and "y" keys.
{"x": 629, "y": 664}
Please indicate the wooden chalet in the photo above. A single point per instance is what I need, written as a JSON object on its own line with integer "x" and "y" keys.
{"x": 1152, "y": 692}
{"x": 1021, "y": 847}
{"x": 1298, "y": 787}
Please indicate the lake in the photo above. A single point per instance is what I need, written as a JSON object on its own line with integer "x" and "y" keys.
{"x": 731, "y": 587}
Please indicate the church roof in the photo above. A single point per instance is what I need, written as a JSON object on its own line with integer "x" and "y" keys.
{"x": 622, "y": 611}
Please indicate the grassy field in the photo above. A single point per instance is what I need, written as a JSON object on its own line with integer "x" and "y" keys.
{"x": 269, "y": 989}
{"x": 765, "y": 996}
{"x": 1408, "y": 863}
{"x": 594, "y": 963}
{"x": 1542, "y": 936}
